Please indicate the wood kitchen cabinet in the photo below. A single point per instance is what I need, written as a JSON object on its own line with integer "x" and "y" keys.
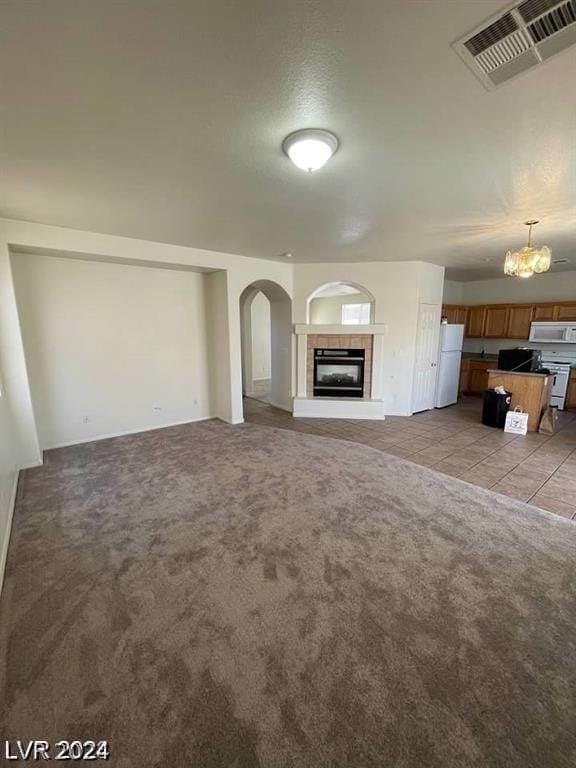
{"x": 544, "y": 312}
{"x": 519, "y": 319}
{"x": 477, "y": 378}
{"x": 565, "y": 312}
{"x": 507, "y": 321}
{"x": 455, "y": 313}
{"x": 530, "y": 392}
{"x": 496, "y": 322}
{"x": 464, "y": 376}
{"x": 475, "y": 322}
{"x": 571, "y": 392}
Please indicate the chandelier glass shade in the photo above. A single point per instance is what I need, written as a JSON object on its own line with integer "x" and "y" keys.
{"x": 528, "y": 260}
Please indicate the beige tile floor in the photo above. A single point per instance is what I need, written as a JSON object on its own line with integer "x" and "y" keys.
{"x": 538, "y": 469}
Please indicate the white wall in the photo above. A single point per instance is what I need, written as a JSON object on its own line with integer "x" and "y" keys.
{"x": 18, "y": 440}
{"x": 9, "y": 464}
{"x": 328, "y": 310}
{"x": 111, "y": 348}
{"x": 219, "y": 343}
{"x": 552, "y": 286}
{"x": 452, "y": 292}
{"x": 261, "y": 342}
{"x": 230, "y": 275}
{"x": 13, "y": 369}
{"x": 398, "y": 288}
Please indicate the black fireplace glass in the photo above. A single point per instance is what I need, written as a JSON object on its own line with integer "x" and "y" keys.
{"x": 339, "y": 372}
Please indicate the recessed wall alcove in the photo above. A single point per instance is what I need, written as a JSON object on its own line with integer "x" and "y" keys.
{"x": 340, "y": 303}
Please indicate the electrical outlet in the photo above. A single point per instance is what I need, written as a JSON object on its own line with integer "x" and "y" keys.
{"x": 86, "y": 419}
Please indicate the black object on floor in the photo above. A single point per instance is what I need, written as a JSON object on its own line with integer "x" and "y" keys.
{"x": 494, "y": 408}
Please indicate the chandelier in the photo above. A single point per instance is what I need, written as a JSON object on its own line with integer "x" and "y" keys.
{"x": 528, "y": 260}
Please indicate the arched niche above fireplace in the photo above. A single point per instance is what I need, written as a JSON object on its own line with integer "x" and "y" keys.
{"x": 340, "y": 303}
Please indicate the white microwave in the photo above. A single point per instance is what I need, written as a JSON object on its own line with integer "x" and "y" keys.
{"x": 553, "y": 333}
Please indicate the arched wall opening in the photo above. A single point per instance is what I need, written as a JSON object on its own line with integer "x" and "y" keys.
{"x": 274, "y": 341}
{"x": 340, "y": 303}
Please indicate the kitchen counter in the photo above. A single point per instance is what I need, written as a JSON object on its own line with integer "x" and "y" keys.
{"x": 530, "y": 392}
{"x": 479, "y": 358}
{"x": 517, "y": 373}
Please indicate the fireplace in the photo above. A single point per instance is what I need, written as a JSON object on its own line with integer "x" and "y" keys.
{"x": 339, "y": 372}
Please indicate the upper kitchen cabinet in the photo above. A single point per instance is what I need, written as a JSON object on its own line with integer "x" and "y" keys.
{"x": 475, "y": 322}
{"x": 455, "y": 313}
{"x": 507, "y": 321}
{"x": 566, "y": 312}
{"x": 563, "y": 312}
{"x": 519, "y": 319}
{"x": 496, "y": 322}
{"x": 544, "y": 312}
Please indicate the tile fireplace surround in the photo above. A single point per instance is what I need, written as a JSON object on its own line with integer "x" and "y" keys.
{"x": 367, "y": 337}
{"x": 337, "y": 341}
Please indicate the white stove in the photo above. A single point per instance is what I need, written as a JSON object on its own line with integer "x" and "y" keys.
{"x": 559, "y": 366}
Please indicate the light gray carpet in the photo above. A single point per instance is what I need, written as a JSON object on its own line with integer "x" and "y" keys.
{"x": 214, "y": 596}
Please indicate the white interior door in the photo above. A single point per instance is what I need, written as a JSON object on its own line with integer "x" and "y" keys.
{"x": 427, "y": 335}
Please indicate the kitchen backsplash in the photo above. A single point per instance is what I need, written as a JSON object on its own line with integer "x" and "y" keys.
{"x": 493, "y": 346}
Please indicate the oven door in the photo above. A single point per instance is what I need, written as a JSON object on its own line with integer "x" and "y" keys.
{"x": 559, "y": 386}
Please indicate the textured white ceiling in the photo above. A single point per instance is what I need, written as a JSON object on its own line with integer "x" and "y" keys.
{"x": 164, "y": 120}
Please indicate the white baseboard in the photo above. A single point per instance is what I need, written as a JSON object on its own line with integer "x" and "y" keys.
{"x": 280, "y": 407}
{"x": 8, "y": 530}
{"x": 32, "y": 466}
{"x": 127, "y": 432}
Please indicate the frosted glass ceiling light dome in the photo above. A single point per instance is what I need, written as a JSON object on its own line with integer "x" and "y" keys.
{"x": 528, "y": 260}
{"x": 310, "y": 149}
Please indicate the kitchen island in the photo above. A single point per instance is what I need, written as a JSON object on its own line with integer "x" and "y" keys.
{"x": 530, "y": 392}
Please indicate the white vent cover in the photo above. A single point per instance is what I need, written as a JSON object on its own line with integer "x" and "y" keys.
{"x": 524, "y": 36}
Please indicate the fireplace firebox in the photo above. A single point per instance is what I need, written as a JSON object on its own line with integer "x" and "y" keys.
{"x": 339, "y": 372}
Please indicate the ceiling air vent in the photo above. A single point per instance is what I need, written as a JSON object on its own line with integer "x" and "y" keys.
{"x": 560, "y": 261}
{"x": 523, "y": 37}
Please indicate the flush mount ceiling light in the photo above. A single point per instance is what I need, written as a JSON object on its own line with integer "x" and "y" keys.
{"x": 528, "y": 260}
{"x": 310, "y": 149}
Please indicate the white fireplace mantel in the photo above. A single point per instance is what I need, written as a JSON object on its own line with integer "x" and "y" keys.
{"x": 373, "y": 329}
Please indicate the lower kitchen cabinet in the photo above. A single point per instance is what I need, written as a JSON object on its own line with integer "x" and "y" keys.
{"x": 474, "y": 376}
{"x": 464, "y": 376}
{"x": 571, "y": 393}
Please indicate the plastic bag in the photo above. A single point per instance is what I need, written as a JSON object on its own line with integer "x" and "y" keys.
{"x": 516, "y": 422}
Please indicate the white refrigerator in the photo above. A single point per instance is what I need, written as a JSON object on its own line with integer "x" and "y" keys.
{"x": 449, "y": 357}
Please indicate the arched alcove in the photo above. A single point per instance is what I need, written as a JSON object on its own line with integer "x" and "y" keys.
{"x": 340, "y": 303}
{"x": 278, "y": 336}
